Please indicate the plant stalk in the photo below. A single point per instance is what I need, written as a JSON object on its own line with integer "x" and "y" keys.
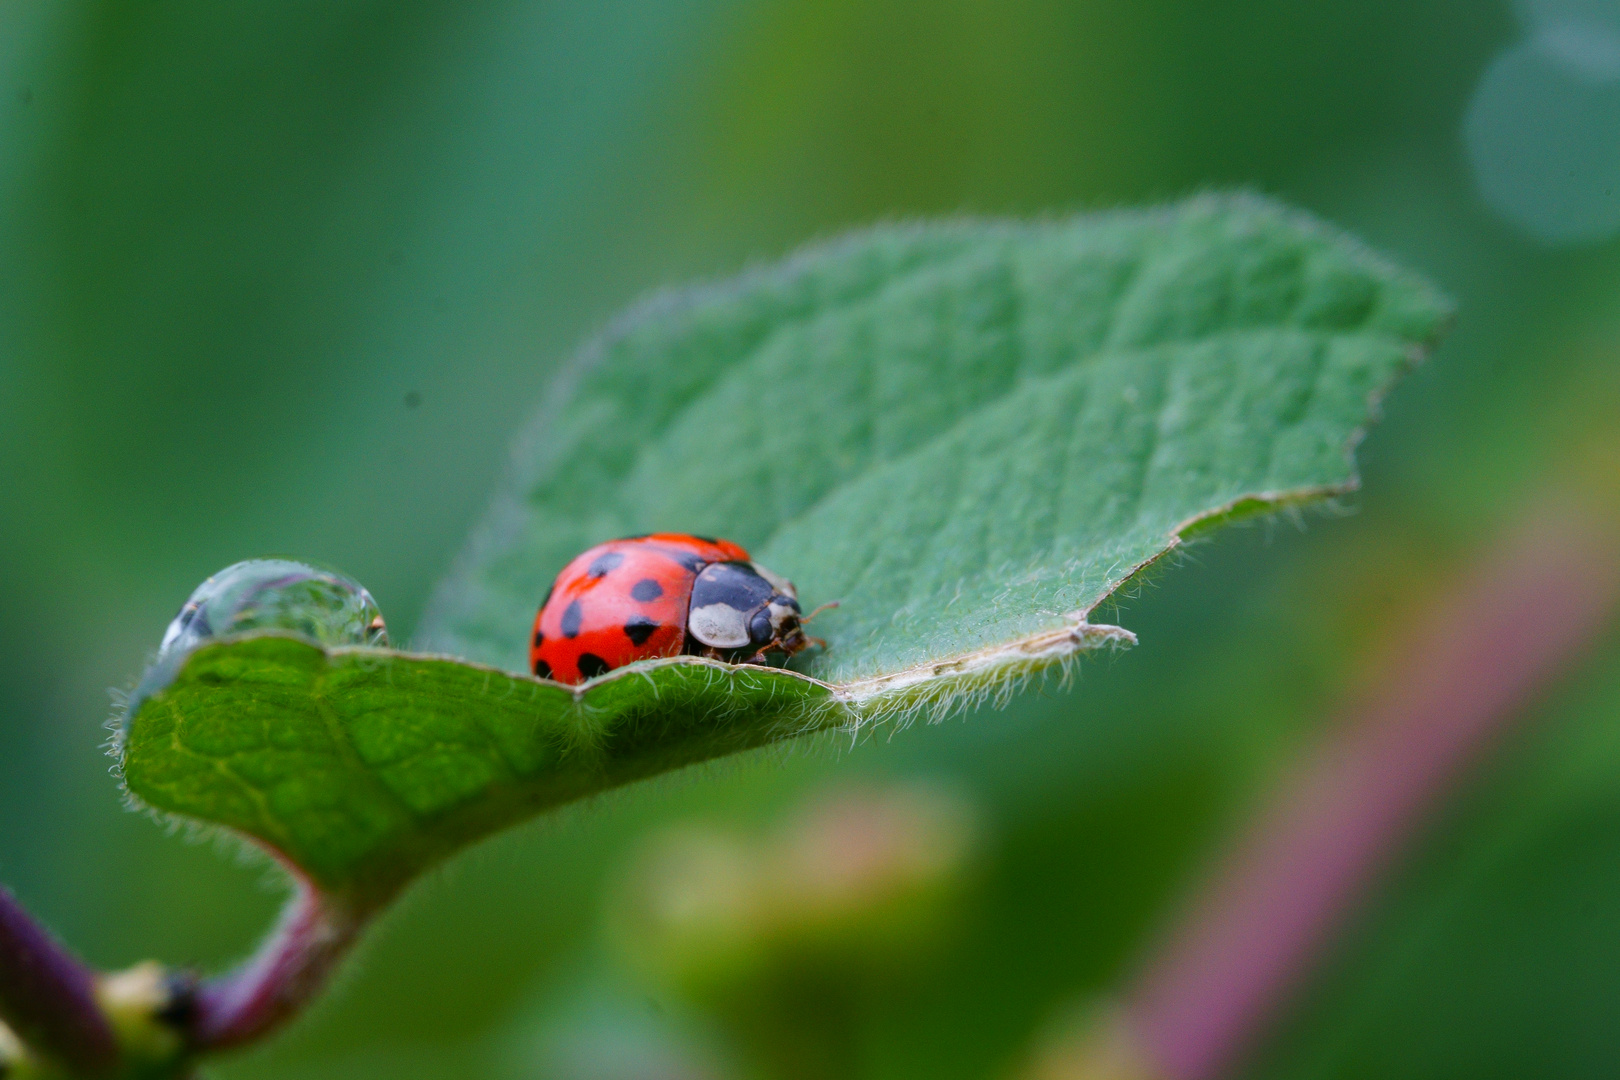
{"x": 48, "y": 998}
{"x": 271, "y": 987}
{"x": 1524, "y": 615}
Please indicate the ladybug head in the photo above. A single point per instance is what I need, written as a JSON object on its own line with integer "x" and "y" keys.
{"x": 741, "y": 608}
{"x": 778, "y": 621}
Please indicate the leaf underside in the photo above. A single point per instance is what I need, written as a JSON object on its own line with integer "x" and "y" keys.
{"x": 969, "y": 434}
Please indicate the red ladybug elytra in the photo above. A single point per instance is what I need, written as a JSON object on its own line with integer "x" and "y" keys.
{"x": 662, "y": 594}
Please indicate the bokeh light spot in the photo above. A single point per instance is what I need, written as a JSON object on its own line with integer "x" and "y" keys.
{"x": 1543, "y": 129}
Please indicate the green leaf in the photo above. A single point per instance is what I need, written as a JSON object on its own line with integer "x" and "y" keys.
{"x": 363, "y": 765}
{"x": 969, "y": 434}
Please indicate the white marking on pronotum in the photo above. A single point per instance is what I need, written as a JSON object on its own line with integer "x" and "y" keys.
{"x": 780, "y": 584}
{"x": 719, "y": 625}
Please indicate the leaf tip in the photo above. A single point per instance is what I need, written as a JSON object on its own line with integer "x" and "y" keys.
{"x": 991, "y": 675}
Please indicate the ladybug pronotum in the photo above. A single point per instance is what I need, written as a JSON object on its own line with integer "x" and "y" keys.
{"x": 663, "y": 594}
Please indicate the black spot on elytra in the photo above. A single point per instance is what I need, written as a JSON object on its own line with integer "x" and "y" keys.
{"x": 539, "y": 639}
{"x": 639, "y": 629}
{"x": 542, "y": 669}
{"x": 591, "y": 665}
{"x": 573, "y": 615}
{"x": 605, "y": 564}
{"x": 646, "y": 590}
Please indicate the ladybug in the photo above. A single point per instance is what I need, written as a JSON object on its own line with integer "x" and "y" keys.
{"x": 663, "y": 594}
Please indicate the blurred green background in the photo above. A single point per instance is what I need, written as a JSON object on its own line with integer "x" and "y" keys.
{"x": 282, "y": 278}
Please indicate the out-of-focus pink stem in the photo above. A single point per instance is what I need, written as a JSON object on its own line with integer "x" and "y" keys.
{"x": 1520, "y": 618}
{"x": 48, "y": 997}
{"x": 276, "y": 983}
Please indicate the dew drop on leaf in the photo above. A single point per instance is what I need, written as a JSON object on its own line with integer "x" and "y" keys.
{"x": 277, "y": 594}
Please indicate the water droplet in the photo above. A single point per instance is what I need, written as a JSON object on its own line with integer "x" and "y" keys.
{"x": 277, "y": 594}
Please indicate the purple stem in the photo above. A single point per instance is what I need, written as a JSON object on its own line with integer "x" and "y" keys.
{"x": 1484, "y": 653}
{"x": 275, "y": 984}
{"x": 48, "y": 997}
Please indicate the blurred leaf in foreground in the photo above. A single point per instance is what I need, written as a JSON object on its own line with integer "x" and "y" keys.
{"x": 789, "y": 940}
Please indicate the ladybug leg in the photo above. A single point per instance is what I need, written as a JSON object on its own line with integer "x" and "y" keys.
{"x": 801, "y": 642}
{"x": 788, "y": 647}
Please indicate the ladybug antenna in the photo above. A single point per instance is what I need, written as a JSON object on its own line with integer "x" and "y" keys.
{"x": 824, "y": 607}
